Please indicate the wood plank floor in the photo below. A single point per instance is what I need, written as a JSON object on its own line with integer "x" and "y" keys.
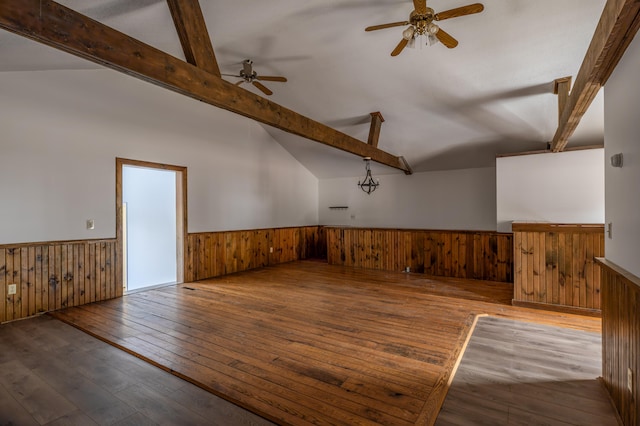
{"x": 518, "y": 373}
{"x": 309, "y": 343}
{"x": 53, "y": 374}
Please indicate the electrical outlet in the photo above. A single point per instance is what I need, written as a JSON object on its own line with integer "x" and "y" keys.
{"x": 270, "y": 249}
{"x": 630, "y": 379}
{"x": 12, "y": 288}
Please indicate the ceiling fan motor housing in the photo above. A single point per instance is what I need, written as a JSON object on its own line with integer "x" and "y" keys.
{"x": 422, "y": 21}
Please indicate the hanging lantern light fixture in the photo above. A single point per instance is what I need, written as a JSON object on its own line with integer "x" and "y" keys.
{"x": 368, "y": 185}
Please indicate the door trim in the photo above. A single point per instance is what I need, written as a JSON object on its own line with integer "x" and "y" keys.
{"x": 181, "y": 213}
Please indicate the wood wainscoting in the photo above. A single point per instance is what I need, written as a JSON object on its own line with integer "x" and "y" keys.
{"x": 212, "y": 254}
{"x": 55, "y": 275}
{"x": 555, "y": 266}
{"x": 458, "y": 254}
{"x": 621, "y": 338}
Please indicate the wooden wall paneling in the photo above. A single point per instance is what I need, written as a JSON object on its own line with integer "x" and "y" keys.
{"x": 589, "y": 278}
{"x": 620, "y": 337}
{"x": 463, "y": 254}
{"x": 31, "y": 281}
{"x": 93, "y": 274}
{"x": 245, "y": 254}
{"x": 576, "y": 265}
{"x": 455, "y": 254}
{"x": 24, "y": 282}
{"x": 530, "y": 290}
{"x": 78, "y": 274}
{"x": 64, "y": 277}
{"x": 538, "y": 287}
{"x": 103, "y": 271}
{"x": 551, "y": 266}
{"x": 3, "y": 285}
{"x": 556, "y": 265}
{"x": 189, "y": 273}
{"x": 13, "y": 259}
{"x": 480, "y": 242}
{"x": 37, "y": 278}
{"x": 562, "y": 269}
{"x": 501, "y": 258}
{"x": 218, "y": 243}
{"x": 599, "y": 251}
{"x": 517, "y": 265}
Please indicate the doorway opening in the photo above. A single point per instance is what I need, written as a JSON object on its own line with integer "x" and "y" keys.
{"x": 151, "y": 206}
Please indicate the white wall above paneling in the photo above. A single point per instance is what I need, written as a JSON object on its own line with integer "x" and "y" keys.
{"x": 453, "y": 199}
{"x": 61, "y": 133}
{"x": 566, "y": 187}
{"x": 622, "y": 135}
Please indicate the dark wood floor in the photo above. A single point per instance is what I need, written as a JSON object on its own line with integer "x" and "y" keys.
{"x": 519, "y": 373}
{"x": 53, "y": 374}
{"x": 309, "y": 343}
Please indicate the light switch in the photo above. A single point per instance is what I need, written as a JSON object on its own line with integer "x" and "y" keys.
{"x": 11, "y": 289}
{"x": 90, "y": 224}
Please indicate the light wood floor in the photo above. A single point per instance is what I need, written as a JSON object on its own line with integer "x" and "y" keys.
{"x": 519, "y": 373}
{"x": 309, "y": 343}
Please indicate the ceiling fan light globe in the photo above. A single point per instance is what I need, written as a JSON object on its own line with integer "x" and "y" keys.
{"x": 432, "y": 29}
{"x": 409, "y": 33}
{"x": 432, "y": 39}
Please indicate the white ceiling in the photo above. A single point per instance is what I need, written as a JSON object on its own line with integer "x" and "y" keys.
{"x": 443, "y": 108}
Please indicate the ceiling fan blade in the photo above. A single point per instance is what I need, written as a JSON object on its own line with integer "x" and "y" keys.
{"x": 271, "y": 78}
{"x": 446, "y": 39}
{"x": 383, "y": 26}
{"x": 263, "y": 88}
{"x": 399, "y": 47}
{"x": 460, "y": 11}
{"x": 239, "y": 83}
{"x": 420, "y": 6}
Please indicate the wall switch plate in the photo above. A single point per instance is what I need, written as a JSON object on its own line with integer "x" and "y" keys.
{"x": 91, "y": 224}
{"x": 630, "y": 379}
{"x": 12, "y": 288}
{"x": 270, "y": 249}
{"x": 610, "y": 230}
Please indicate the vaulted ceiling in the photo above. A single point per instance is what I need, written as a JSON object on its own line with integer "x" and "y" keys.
{"x": 443, "y": 108}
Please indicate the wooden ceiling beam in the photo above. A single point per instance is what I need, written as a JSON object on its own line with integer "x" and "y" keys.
{"x": 561, "y": 87}
{"x": 193, "y": 34}
{"x": 55, "y": 25}
{"x": 374, "y": 130}
{"x": 618, "y": 25}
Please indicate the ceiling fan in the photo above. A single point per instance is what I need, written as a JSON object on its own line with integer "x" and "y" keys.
{"x": 248, "y": 75}
{"x": 421, "y": 23}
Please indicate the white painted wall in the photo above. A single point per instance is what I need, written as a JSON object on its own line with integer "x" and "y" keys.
{"x": 453, "y": 199}
{"x": 566, "y": 187}
{"x": 622, "y": 135}
{"x": 62, "y": 130}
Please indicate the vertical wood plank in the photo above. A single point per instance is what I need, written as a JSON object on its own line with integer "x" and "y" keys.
{"x": 577, "y": 264}
{"x": 81, "y": 274}
{"x": 562, "y": 269}
{"x": 23, "y": 284}
{"x": 11, "y": 257}
{"x": 38, "y": 277}
{"x": 31, "y": 282}
{"x": 553, "y": 268}
{"x": 64, "y": 276}
{"x": 588, "y": 270}
{"x": 3, "y": 285}
{"x": 568, "y": 259}
{"x": 518, "y": 266}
